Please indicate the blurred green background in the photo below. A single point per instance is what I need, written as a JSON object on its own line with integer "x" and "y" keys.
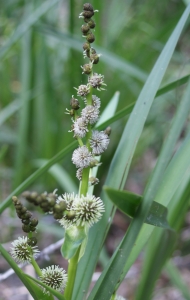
{"x": 40, "y": 64}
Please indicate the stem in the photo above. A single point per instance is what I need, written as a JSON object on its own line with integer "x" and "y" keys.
{"x": 72, "y": 269}
{"x": 84, "y": 184}
{"x": 36, "y": 267}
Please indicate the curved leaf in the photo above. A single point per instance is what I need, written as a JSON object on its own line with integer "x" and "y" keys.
{"x": 74, "y": 236}
{"x": 129, "y": 202}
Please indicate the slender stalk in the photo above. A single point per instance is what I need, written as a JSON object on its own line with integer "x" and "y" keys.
{"x": 84, "y": 184}
{"x": 36, "y": 267}
{"x": 71, "y": 275}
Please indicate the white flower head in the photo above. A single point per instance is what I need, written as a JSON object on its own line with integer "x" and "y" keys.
{"x": 99, "y": 142}
{"x": 22, "y": 251}
{"x": 83, "y": 90}
{"x": 82, "y": 157}
{"x": 97, "y": 81}
{"x": 55, "y": 277}
{"x": 88, "y": 210}
{"x": 90, "y": 114}
{"x": 80, "y": 127}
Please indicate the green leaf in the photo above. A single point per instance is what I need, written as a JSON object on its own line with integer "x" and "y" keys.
{"x": 105, "y": 285}
{"x": 74, "y": 236}
{"x": 128, "y": 203}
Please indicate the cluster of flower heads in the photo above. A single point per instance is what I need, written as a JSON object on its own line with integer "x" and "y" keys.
{"x": 80, "y": 210}
{"x": 53, "y": 276}
{"x": 82, "y": 127}
{"x": 23, "y": 250}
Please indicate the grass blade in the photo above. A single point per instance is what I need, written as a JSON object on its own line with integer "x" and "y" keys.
{"x": 25, "y": 25}
{"x": 105, "y": 285}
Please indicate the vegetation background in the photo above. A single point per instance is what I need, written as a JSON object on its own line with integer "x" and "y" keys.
{"x": 40, "y": 59}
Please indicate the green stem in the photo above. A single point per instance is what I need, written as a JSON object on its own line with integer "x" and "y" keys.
{"x": 84, "y": 184}
{"x": 72, "y": 269}
{"x": 36, "y": 267}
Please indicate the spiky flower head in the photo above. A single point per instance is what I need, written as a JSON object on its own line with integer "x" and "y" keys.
{"x": 80, "y": 127}
{"x": 97, "y": 81}
{"x": 88, "y": 210}
{"x": 83, "y": 90}
{"x": 99, "y": 142}
{"x": 55, "y": 277}
{"x": 90, "y": 113}
{"x": 82, "y": 157}
{"x": 22, "y": 251}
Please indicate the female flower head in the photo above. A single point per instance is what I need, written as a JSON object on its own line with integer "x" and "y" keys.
{"x": 88, "y": 210}
{"x": 22, "y": 251}
{"x": 55, "y": 277}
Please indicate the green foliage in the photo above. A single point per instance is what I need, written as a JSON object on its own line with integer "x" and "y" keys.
{"x": 40, "y": 58}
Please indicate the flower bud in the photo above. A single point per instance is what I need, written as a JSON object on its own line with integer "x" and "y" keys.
{"x": 91, "y": 24}
{"x": 85, "y": 28}
{"x": 90, "y": 37}
{"x": 87, "y": 69}
{"x": 87, "y": 13}
{"x": 94, "y": 58}
{"x": 88, "y": 7}
{"x": 74, "y": 103}
{"x": 32, "y": 241}
{"x": 108, "y": 130}
{"x": 86, "y": 46}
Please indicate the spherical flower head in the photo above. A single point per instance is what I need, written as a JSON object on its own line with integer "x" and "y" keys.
{"x": 88, "y": 210}
{"x": 82, "y": 157}
{"x": 22, "y": 251}
{"x": 99, "y": 142}
{"x": 83, "y": 90}
{"x": 90, "y": 114}
{"x": 80, "y": 127}
{"x": 55, "y": 277}
{"x": 97, "y": 81}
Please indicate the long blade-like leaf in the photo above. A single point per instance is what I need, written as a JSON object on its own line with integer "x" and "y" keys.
{"x": 118, "y": 173}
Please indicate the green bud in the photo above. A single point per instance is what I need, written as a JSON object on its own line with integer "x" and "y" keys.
{"x": 74, "y": 103}
{"x": 91, "y": 24}
{"x": 26, "y": 228}
{"x": 94, "y": 58}
{"x": 32, "y": 241}
{"x": 90, "y": 37}
{"x": 34, "y": 222}
{"x": 85, "y": 28}
{"x": 88, "y": 7}
{"x": 87, "y": 69}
